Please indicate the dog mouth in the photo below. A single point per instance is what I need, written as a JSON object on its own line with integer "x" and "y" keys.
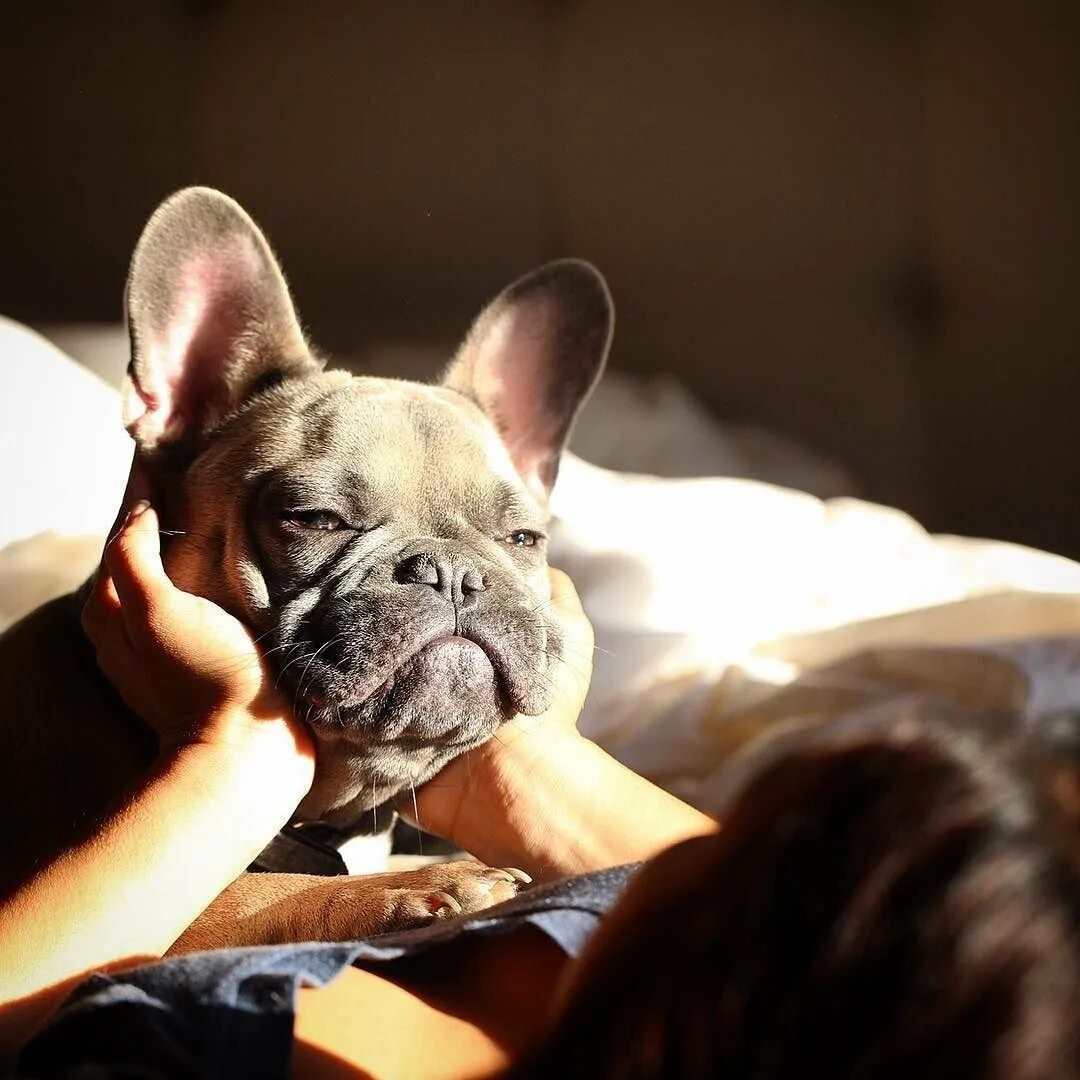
{"x": 452, "y": 641}
{"x": 461, "y": 663}
{"x": 423, "y": 674}
{"x": 448, "y": 652}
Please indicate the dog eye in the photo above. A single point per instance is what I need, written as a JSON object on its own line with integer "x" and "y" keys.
{"x": 523, "y": 538}
{"x": 323, "y": 520}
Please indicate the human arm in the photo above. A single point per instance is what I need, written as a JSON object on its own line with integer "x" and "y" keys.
{"x": 232, "y": 767}
{"x": 568, "y": 807}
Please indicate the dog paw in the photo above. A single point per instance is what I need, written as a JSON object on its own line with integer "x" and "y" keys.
{"x": 269, "y": 909}
{"x": 447, "y": 890}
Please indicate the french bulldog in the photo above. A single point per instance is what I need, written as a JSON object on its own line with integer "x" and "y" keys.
{"x": 383, "y": 539}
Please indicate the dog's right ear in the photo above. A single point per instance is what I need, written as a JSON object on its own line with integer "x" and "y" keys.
{"x": 210, "y": 320}
{"x": 532, "y": 358}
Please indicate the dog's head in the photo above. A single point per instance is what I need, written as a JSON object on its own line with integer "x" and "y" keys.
{"x": 385, "y": 539}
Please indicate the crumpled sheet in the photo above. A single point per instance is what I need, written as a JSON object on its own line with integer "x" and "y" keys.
{"x": 723, "y": 607}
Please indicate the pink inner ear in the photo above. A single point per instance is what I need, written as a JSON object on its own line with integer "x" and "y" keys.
{"x": 183, "y": 373}
{"x": 510, "y": 375}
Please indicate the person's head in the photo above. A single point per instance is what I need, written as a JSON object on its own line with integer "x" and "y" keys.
{"x": 893, "y": 898}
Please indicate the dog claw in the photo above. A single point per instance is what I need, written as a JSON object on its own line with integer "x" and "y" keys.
{"x": 514, "y": 874}
{"x": 442, "y": 905}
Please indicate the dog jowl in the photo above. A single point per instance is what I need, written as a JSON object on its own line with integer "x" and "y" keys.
{"x": 385, "y": 539}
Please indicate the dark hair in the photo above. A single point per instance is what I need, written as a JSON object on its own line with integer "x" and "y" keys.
{"x": 890, "y": 900}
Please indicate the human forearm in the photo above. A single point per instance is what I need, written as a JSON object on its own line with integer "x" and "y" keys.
{"x": 134, "y": 884}
{"x": 554, "y": 803}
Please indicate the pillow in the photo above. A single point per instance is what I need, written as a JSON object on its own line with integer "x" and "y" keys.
{"x": 64, "y": 460}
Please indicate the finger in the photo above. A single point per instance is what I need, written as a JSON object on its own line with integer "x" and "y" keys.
{"x": 575, "y": 674}
{"x": 112, "y": 648}
{"x": 138, "y": 488}
{"x": 576, "y": 625}
{"x": 133, "y": 560}
{"x": 103, "y": 623}
{"x": 564, "y": 596}
{"x": 102, "y": 603}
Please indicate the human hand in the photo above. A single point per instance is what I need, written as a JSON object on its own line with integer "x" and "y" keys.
{"x": 188, "y": 668}
{"x": 480, "y": 789}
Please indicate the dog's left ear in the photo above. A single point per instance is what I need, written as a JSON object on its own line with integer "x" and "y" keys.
{"x": 210, "y": 319}
{"x": 532, "y": 358}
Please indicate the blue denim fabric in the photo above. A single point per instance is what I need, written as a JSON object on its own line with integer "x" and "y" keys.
{"x": 229, "y": 1013}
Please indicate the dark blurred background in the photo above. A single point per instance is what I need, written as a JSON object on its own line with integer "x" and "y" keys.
{"x": 856, "y": 222}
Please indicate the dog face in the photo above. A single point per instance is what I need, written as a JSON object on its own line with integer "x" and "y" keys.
{"x": 385, "y": 540}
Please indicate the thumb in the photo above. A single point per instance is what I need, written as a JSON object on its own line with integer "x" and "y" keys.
{"x": 578, "y": 643}
{"x": 576, "y": 625}
{"x": 133, "y": 559}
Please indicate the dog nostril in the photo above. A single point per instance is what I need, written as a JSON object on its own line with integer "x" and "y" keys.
{"x": 472, "y": 582}
{"x": 417, "y": 570}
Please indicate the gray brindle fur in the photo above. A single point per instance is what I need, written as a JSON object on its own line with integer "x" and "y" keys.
{"x": 384, "y": 539}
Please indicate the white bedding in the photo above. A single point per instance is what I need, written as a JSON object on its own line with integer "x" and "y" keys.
{"x": 719, "y": 604}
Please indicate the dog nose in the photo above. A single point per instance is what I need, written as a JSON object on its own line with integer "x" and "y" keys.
{"x": 454, "y": 578}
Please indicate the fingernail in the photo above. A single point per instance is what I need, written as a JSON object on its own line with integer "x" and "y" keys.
{"x": 137, "y": 510}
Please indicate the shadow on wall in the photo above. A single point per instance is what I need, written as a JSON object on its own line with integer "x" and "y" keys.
{"x": 853, "y": 223}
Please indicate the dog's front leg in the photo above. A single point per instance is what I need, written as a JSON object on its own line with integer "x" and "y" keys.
{"x": 270, "y": 909}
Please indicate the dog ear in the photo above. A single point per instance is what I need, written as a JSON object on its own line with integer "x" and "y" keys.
{"x": 210, "y": 319}
{"x": 532, "y": 358}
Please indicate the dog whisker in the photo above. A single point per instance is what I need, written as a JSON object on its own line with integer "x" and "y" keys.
{"x": 416, "y": 817}
{"x": 325, "y": 645}
{"x": 294, "y": 660}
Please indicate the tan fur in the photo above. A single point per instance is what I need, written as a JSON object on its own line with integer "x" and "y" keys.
{"x": 278, "y": 908}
